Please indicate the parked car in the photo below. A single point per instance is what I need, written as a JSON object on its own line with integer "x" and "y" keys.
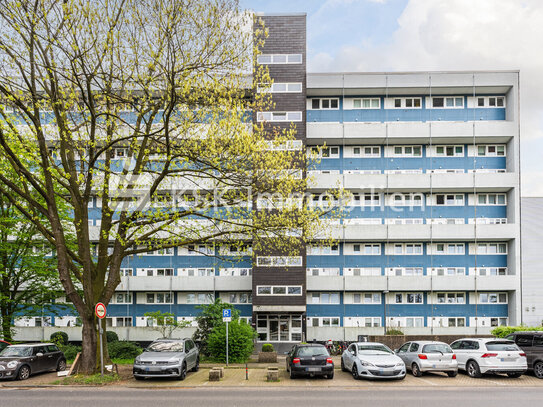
{"x": 167, "y": 358}
{"x": 478, "y": 356}
{"x": 372, "y": 360}
{"x": 309, "y": 360}
{"x": 21, "y": 361}
{"x": 531, "y": 342}
{"x": 427, "y": 356}
{"x": 3, "y": 344}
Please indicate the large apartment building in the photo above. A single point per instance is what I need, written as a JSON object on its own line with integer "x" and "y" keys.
{"x": 429, "y": 243}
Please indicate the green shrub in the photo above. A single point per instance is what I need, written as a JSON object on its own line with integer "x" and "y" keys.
{"x": 59, "y": 338}
{"x": 112, "y": 337}
{"x": 240, "y": 342}
{"x": 394, "y": 332}
{"x": 123, "y": 350}
{"x": 267, "y": 347}
{"x": 70, "y": 351}
{"x": 503, "y": 331}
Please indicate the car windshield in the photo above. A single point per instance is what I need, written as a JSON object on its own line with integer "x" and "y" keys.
{"x": 165, "y": 347}
{"x": 374, "y": 350}
{"x": 504, "y": 346}
{"x": 312, "y": 351}
{"x": 436, "y": 348}
{"x": 11, "y": 351}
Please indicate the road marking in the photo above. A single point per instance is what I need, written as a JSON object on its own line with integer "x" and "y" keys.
{"x": 427, "y": 381}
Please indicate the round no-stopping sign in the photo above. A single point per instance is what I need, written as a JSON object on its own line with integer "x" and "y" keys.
{"x": 100, "y": 310}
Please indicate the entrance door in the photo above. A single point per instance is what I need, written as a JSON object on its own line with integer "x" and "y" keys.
{"x": 274, "y": 328}
{"x": 284, "y": 328}
{"x": 279, "y": 328}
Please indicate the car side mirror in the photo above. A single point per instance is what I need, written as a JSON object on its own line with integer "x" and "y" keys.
{"x": 39, "y": 354}
{"x": 396, "y": 350}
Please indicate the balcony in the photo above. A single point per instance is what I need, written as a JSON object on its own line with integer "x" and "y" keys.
{"x": 179, "y": 283}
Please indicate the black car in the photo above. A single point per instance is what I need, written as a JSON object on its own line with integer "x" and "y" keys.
{"x": 310, "y": 360}
{"x": 531, "y": 342}
{"x": 21, "y": 361}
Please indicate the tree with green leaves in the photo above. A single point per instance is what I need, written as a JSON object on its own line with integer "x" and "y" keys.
{"x": 143, "y": 109}
{"x": 241, "y": 338}
{"x": 164, "y": 323}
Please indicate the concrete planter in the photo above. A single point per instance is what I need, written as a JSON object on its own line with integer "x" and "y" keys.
{"x": 267, "y": 357}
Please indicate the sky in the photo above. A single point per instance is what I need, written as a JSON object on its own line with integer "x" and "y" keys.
{"x": 433, "y": 35}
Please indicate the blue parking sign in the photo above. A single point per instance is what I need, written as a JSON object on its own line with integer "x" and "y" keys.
{"x": 227, "y": 313}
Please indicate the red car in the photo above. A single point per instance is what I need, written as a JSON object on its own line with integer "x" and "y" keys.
{"x": 3, "y": 344}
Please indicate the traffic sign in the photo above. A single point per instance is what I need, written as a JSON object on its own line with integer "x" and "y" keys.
{"x": 100, "y": 310}
{"x": 227, "y": 315}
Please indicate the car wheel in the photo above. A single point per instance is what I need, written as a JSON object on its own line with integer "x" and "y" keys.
{"x": 472, "y": 368}
{"x": 24, "y": 373}
{"x": 197, "y": 365}
{"x": 415, "y": 369}
{"x": 452, "y": 374}
{"x": 183, "y": 372}
{"x": 61, "y": 365}
{"x": 355, "y": 371}
{"x": 330, "y": 376}
{"x": 292, "y": 375}
{"x": 343, "y": 368}
{"x": 514, "y": 375}
{"x": 538, "y": 370}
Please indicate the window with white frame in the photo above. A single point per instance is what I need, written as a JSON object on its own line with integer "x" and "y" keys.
{"x": 362, "y": 271}
{"x": 445, "y": 171}
{"x": 281, "y": 87}
{"x": 449, "y": 199}
{"x": 411, "y": 249}
{"x": 324, "y": 298}
{"x": 237, "y": 250}
{"x": 366, "y": 103}
{"x": 494, "y": 150}
{"x": 487, "y": 221}
{"x": 121, "y": 298}
{"x": 294, "y": 290}
{"x": 447, "y": 271}
{"x": 405, "y": 199}
{"x": 159, "y": 298}
{"x": 289, "y": 145}
{"x": 363, "y": 249}
{"x": 486, "y": 101}
{"x": 366, "y": 199}
{"x": 154, "y": 272}
{"x": 196, "y": 250}
{"x": 406, "y": 151}
{"x": 323, "y": 250}
{"x": 447, "y": 102}
{"x": 408, "y": 298}
{"x": 447, "y": 248}
{"x": 492, "y": 298}
{"x": 367, "y": 322}
{"x": 323, "y": 152}
{"x": 491, "y": 199}
{"x": 325, "y": 103}
{"x": 125, "y": 272}
{"x": 449, "y": 322}
{"x": 488, "y": 321}
{"x": 404, "y": 221}
{"x": 366, "y": 298}
{"x": 279, "y": 59}
{"x": 404, "y": 271}
{"x": 196, "y": 272}
{"x": 488, "y": 271}
{"x": 159, "y": 252}
{"x": 363, "y": 151}
{"x": 323, "y": 321}
{"x": 237, "y": 298}
{"x": 488, "y": 248}
{"x": 279, "y": 117}
{"x": 279, "y": 261}
{"x": 451, "y": 298}
{"x": 445, "y": 221}
{"x": 199, "y": 298}
{"x": 405, "y": 322}
{"x": 449, "y": 151}
{"x": 403, "y": 103}
{"x": 236, "y": 272}
{"x": 190, "y": 320}
{"x": 323, "y": 271}
{"x": 118, "y": 321}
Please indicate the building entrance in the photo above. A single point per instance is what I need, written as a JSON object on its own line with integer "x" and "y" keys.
{"x": 279, "y": 328}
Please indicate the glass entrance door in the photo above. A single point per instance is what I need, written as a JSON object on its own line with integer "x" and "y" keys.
{"x": 279, "y": 328}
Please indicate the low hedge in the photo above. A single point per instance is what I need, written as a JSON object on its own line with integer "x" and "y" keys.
{"x": 59, "y": 338}
{"x": 123, "y": 350}
{"x": 503, "y": 331}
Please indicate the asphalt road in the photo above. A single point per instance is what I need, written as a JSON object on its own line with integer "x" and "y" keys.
{"x": 200, "y": 397}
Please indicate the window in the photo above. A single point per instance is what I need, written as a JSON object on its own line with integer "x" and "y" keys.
{"x": 279, "y": 290}
{"x": 279, "y": 87}
{"x": 279, "y": 261}
{"x": 289, "y": 145}
{"x": 362, "y": 271}
{"x": 497, "y": 150}
{"x": 125, "y": 272}
{"x": 447, "y": 271}
{"x": 404, "y": 221}
{"x": 404, "y": 248}
{"x": 408, "y": 298}
{"x": 403, "y": 103}
{"x": 368, "y": 322}
{"x": 451, "y": 298}
{"x": 404, "y": 271}
{"x": 486, "y": 101}
{"x": 366, "y": 199}
{"x": 363, "y": 151}
{"x": 448, "y": 248}
{"x": 493, "y": 298}
{"x": 491, "y": 199}
{"x": 196, "y": 250}
{"x": 237, "y": 298}
{"x": 324, "y": 298}
{"x": 323, "y": 321}
{"x": 405, "y": 322}
{"x": 406, "y": 151}
{"x": 324, "y": 250}
{"x": 236, "y": 271}
{"x": 330, "y": 271}
{"x": 366, "y": 298}
{"x": 200, "y": 298}
{"x": 488, "y": 248}
{"x": 274, "y": 59}
{"x": 122, "y": 298}
{"x": 449, "y": 102}
{"x": 459, "y": 322}
{"x": 410, "y": 199}
{"x": 323, "y": 152}
{"x": 325, "y": 104}
{"x": 449, "y": 151}
{"x": 158, "y": 298}
{"x": 364, "y": 249}
{"x": 118, "y": 321}
{"x": 450, "y": 200}
{"x": 279, "y": 116}
{"x": 489, "y": 271}
{"x": 367, "y": 103}
{"x": 196, "y": 272}
{"x": 152, "y": 272}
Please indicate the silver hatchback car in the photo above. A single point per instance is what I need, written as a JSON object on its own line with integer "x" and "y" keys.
{"x": 167, "y": 358}
{"x": 428, "y": 356}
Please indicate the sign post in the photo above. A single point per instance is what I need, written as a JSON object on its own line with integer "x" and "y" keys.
{"x": 100, "y": 311}
{"x": 227, "y": 317}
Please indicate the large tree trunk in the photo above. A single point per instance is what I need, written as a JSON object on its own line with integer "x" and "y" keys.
{"x": 6, "y": 325}
{"x": 89, "y": 345}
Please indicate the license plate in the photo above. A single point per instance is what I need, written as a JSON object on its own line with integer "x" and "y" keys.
{"x": 146, "y": 369}
{"x": 313, "y": 369}
{"x": 434, "y": 366}
{"x": 381, "y": 371}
